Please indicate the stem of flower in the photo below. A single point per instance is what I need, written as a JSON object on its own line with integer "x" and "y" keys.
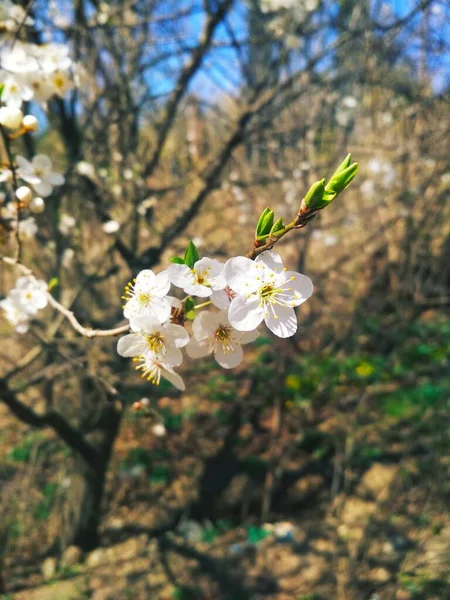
{"x": 202, "y": 305}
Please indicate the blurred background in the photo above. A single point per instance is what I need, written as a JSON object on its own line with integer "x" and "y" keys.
{"x": 319, "y": 469}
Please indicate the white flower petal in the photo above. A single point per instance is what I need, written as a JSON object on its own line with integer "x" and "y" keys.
{"x": 179, "y": 275}
{"x": 42, "y": 162}
{"x": 228, "y": 359}
{"x": 220, "y": 299}
{"x": 179, "y": 336}
{"x": 246, "y": 337}
{"x": 174, "y": 378}
{"x": 198, "y": 350}
{"x": 300, "y": 286}
{"x": 43, "y": 188}
{"x": 56, "y": 179}
{"x": 245, "y": 314}
{"x": 161, "y": 284}
{"x": 271, "y": 259}
{"x": 205, "y": 324}
{"x": 159, "y": 308}
{"x": 144, "y": 280}
{"x": 130, "y": 345}
{"x": 240, "y": 274}
{"x": 173, "y": 356}
{"x": 145, "y": 323}
{"x": 283, "y": 323}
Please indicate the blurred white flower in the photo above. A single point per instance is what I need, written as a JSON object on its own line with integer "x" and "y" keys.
{"x": 66, "y": 224}
{"x": 111, "y": 226}
{"x": 86, "y": 169}
{"x": 67, "y": 257}
{"x": 39, "y": 174}
{"x": 14, "y": 314}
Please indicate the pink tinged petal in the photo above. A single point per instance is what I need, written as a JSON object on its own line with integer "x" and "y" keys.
{"x": 161, "y": 284}
{"x": 299, "y": 286}
{"x": 173, "y": 356}
{"x": 145, "y": 323}
{"x": 246, "y": 337}
{"x": 240, "y": 274}
{"x": 282, "y": 322}
{"x": 228, "y": 359}
{"x": 245, "y": 314}
{"x": 220, "y": 299}
{"x": 179, "y": 335}
{"x": 271, "y": 259}
{"x": 173, "y": 378}
{"x": 179, "y": 275}
{"x": 205, "y": 324}
{"x": 197, "y": 289}
{"x": 43, "y": 188}
{"x": 131, "y": 345}
{"x": 198, "y": 350}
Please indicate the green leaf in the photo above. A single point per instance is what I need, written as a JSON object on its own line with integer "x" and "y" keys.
{"x": 191, "y": 256}
{"x": 177, "y": 260}
{"x": 189, "y": 304}
{"x": 342, "y": 179}
{"x": 314, "y": 198}
{"x": 346, "y": 163}
{"x": 277, "y": 227}
{"x": 2, "y": 87}
{"x": 265, "y": 223}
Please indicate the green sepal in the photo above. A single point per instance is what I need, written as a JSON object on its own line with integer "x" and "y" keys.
{"x": 277, "y": 227}
{"x": 342, "y": 179}
{"x": 265, "y": 223}
{"x": 54, "y": 282}
{"x": 2, "y": 87}
{"x": 177, "y": 260}
{"x": 189, "y": 304}
{"x": 191, "y": 256}
{"x": 314, "y": 197}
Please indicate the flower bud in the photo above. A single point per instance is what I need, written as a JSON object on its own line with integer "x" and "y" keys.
{"x": 11, "y": 117}
{"x": 159, "y": 430}
{"x": 23, "y": 194}
{"x": 30, "y": 123}
{"x": 37, "y": 205}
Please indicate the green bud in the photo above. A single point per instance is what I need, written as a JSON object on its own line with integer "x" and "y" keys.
{"x": 177, "y": 260}
{"x": 346, "y": 163}
{"x": 54, "y": 282}
{"x": 313, "y": 199}
{"x": 189, "y": 304}
{"x": 277, "y": 227}
{"x": 342, "y": 179}
{"x": 191, "y": 256}
{"x": 190, "y": 316}
{"x": 265, "y": 223}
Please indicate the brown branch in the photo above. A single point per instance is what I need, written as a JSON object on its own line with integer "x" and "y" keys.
{"x": 52, "y": 419}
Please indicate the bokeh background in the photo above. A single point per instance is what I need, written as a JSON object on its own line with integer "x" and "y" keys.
{"x": 319, "y": 469}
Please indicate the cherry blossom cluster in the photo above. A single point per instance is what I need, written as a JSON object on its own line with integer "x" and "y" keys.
{"x": 24, "y": 301}
{"x": 242, "y": 293}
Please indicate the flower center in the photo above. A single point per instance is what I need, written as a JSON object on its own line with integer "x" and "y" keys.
{"x": 155, "y": 342}
{"x": 224, "y": 337}
{"x": 150, "y": 370}
{"x": 201, "y": 278}
{"x": 267, "y": 292}
{"x": 144, "y": 298}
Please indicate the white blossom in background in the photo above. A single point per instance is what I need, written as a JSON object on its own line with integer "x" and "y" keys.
{"x": 265, "y": 292}
{"x": 111, "y": 226}
{"x": 39, "y": 174}
{"x": 202, "y": 280}
{"x": 14, "y": 314}
{"x": 146, "y": 296}
{"x": 382, "y": 171}
{"x": 213, "y": 333}
{"x": 346, "y": 110}
{"x": 28, "y": 228}
{"x": 67, "y": 257}
{"x": 12, "y": 16}
{"x": 86, "y": 169}
{"x": 29, "y": 294}
{"x": 150, "y": 336}
{"x": 66, "y": 224}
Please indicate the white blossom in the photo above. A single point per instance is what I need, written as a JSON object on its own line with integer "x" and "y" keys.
{"x": 213, "y": 333}
{"x": 66, "y": 224}
{"x": 153, "y": 368}
{"x": 111, "y": 226}
{"x": 15, "y": 315}
{"x": 146, "y": 296}
{"x": 39, "y": 174}
{"x": 150, "y": 336}
{"x": 202, "y": 280}
{"x": 265, "y": 291}
{"x": 29, "y": 294}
